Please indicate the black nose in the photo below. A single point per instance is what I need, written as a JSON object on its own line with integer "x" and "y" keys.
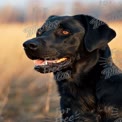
{"x": 30, "y": 45}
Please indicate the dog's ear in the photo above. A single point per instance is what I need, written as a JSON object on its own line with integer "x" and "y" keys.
{"x": 97, "y": 33}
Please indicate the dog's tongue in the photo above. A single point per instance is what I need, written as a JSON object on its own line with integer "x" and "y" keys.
{"x": 38, "y": 62}
{"x": 45, "y": 62}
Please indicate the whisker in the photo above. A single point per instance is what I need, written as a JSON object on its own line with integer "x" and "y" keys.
{"x": 103, "y": 64}
{"x": 103, "y": 58}
{"x": 101, "y": 61}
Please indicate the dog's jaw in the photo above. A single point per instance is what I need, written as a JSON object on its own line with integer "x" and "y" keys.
{"x": 48, "y": 66}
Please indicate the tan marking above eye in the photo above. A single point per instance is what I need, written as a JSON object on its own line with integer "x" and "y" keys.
{"x": 38, "y": 32}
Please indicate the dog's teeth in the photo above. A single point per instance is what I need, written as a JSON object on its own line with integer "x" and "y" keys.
{"x": 45, "y": 62}
{"x": 55, "y": 61}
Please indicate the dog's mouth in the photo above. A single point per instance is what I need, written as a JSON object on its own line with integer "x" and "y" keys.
{"x": 39, "y": 62}
{"x": 46, "y": 66}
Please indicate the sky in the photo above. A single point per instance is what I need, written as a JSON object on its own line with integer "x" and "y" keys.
{"x": 23, "y": 3}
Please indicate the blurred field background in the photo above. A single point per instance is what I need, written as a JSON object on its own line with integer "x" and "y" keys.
{"x": 25, "y": 95}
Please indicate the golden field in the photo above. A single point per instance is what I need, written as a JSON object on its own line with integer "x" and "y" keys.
{"x": 22, "y": 90}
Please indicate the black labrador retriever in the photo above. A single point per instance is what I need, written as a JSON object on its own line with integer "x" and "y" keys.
{"x": 75, "y": 49}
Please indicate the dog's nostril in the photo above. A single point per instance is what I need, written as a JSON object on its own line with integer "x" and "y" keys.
{"x": 33, "y": 46}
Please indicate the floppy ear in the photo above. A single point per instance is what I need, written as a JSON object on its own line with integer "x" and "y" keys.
{"x": 97, "y": 33}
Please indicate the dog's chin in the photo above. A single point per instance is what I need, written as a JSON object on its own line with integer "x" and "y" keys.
{"x": 48, "y": 66}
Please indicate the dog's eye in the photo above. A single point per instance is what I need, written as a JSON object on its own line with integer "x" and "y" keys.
{"x": 63, "y": 32}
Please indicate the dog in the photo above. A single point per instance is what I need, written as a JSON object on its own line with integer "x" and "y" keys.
{"x": 75, "y": 48}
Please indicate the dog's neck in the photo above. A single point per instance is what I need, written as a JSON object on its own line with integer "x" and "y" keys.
{"x": 83, "y": 77}
{"x": 79, "y": 71}
{"x": 89, "y": 67}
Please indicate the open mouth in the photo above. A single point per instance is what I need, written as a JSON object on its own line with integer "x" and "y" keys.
{"x": 46, "y": 66}
{"x": 48, "y": 62}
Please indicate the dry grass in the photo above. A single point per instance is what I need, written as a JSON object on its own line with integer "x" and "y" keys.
{"x": 26, "y": 89}
{"x": 116, "y": 43}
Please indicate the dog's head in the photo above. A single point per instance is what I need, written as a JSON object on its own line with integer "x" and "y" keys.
{"x": 63, "y": 40}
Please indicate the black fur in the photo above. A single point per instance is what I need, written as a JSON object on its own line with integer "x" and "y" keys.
{"x": 89, "y": 83}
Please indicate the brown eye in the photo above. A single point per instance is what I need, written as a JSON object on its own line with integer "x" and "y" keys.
{"x": 64, "y": 32}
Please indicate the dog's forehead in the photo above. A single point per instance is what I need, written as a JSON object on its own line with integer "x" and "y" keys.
{"x": 54, "y": 22}
{"x": 58, "y": 19}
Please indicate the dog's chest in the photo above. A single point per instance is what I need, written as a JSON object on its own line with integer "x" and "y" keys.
{"x": 81, "y": 99}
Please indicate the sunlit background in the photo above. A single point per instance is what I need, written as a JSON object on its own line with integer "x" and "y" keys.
{"x": 25, "y": 95}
